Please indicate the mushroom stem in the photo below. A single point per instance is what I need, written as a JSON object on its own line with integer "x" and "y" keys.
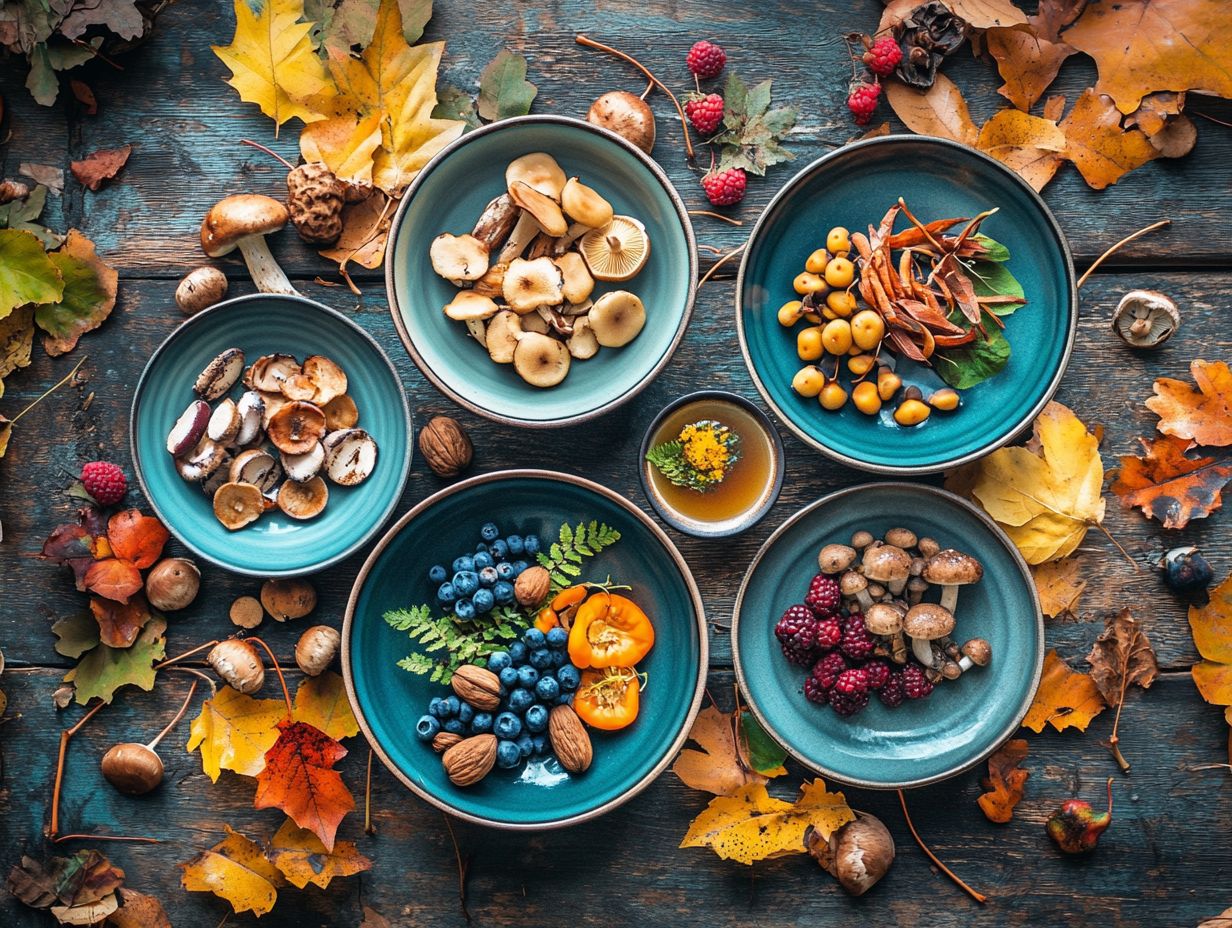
{"x": 865, "y": 600}
{"x": 265, "y": 271}
{"x": 524, "y": 230}
{"x": 898, "y": 646}
{"x": 949, "y": 596}
{"x": 922, "y": 648}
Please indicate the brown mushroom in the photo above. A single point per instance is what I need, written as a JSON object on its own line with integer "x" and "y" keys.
{"x": 952, "y": 569}
{"x": 900, "y": 538}
{"x": 502, "y": 336}
{"x": 315, "y": 198}
{"x": 268, "y": 373}
{"x": 540, "y": 360}
{"x": 545, "y": 209}
{"x": 617, "y": 318}
{"x": 886, "y": 620}
{"x": 328, "y": 379}
{"x": 853, "y": 585}
{"x": 246, "y": 612}
{"x": 458, "y": 258}
{"x": 172, "y": 584}
{"x": 340, "y": 413}
{"x": 531, "y": 284}
{"x": 834, "y": 559}
{"x": 858, "y": 854}
{"x": 583, "y": 204}
{"x": 303, "y": 500}
{"x": 616, "y": 251}
{"x": 577, "y": 282}
{"x": 975, "y": 653}
{"x": 924, "y": 623}
{"x": 888, "y": 564}
{"x": 288, "y": 598}
{"x": 626, "y": 114}
{"x": 296, "y": 427}
{"x": 199, "y": 289}
{"x": 242, "y": 221}
{"x": 238, "y": 664}
{"x": 238, "y": 504}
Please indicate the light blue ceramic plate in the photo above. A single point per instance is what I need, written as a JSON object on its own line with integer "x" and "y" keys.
{"x": 853, "y": 187}
{"x": 388, "y": 700}
{"x": 275, "y": 545}
{"x": 449, "y": 194}
{"x": 920, "y": 742}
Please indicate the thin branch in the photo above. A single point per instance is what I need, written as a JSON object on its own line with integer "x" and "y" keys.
{"x": 1117, "y": 247}
{"x": 134, "y": 838}
{"x": 463, "y": 868}
{"x": 57, "y": 787}
{"x": 714, "y": 215}
{"x": 269, "y": 151}
{"x": 179, "y": 715}
{"x": 977, "y": 896}
{"x": 187, "y": 654}
{"x": 369, "y": 828}
{"x": 286, "y": 693}
{"x": 67, "y": 377}
{"x": 718, "y": 264}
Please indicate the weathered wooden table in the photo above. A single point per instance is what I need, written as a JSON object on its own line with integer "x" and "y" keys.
{"x": 1165, "y": 860}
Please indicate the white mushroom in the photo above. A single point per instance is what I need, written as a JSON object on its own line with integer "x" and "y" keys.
{"x": 545, "y": 210}
{"x": 538, "y": 170}
{"x": 582, "y": 344}
{"x": 617, "y": 318}
{"x": 468, "y": 305}
{"x": 458, "y": 258}
{"x": 540, "y": 360}
{"x": 618, "y": 250}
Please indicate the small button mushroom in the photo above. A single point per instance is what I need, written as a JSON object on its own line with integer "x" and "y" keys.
{"x": 888, "y": 564}
{"x": 887, "y": 621}
{"x": 857, "y": 855}
{"x": 242, "y": 221}
{"x": 877, "y": 592}
{"x": 853, "y": 585}
{"x": 834, "y": 559}
{"x": 238, "y": 664}
{"x": 916, "y": 588}
{"x": 458, "y": 258}
{"x": 172, "y": 584}
{"x": 861, "y": 540}
{"x": 975, "y": 653}
{"x": 199, "y": 289}
{"x": 927, "y": 547}
{"x": 924, "y": 623}
{"x": 900, "y": 537}
{"x": 1145, "y": 318}
{"x": 952, "y": 569}
{"x": 316, "y": 649}
{"x": 626, "y": 114}
{"x": 247, "y": 612}
{"x": 315, "y": 198}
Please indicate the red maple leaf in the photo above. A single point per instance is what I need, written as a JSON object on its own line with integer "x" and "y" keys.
{"x": 300, "y": 780}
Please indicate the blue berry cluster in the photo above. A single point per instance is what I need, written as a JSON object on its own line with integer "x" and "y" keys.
{"x": 484, "y": 580}
{"x": 535, "y": 674}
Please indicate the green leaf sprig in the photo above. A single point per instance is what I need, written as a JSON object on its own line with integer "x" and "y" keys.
{"x": 752, "y": 132}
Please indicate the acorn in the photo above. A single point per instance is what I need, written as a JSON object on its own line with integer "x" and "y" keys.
{"x": 134, "y": 769}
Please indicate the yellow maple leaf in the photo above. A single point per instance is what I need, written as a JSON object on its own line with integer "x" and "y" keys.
{"x": 1211, "y": 627}
{"x": 237, "y": 870}
{"x": 234, "y": 731}
{"x": 752, "y": 825}
{"x": 322, "y": 702}
{"x": 1044, "y": 501}
{"x": 717, "y": 767}
{"x": 345, "y": 144}
{"x": 1059, "y": 586}
{"x": 1065, "y": 698}
{"x": 302, "y": 858}
{"x": 1028, "y": 145}
{"x": 272, "y": 61}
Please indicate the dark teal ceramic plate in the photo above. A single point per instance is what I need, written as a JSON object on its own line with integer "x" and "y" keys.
{"x": 388, "y": 700}
{"x": 449, "y": 194}
{"x": 854, "y": 186}
{"x": 964, "y": 720}
{"x": 275, "y": 545}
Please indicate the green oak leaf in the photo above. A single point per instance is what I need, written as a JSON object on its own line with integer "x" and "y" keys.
{"x": 752, "y": 134}
{"x": 89, "y": 295}
{"x": 105, "y": 669}
{"x": 42, "y": 81}
{"x": 991, "y": 278}
{"x": 76, "y": 634}
{"x": 453, "y": 103}
{"x": 27, "y": 275}
{"x": 968, "y": 365}
{"x": 504, "y": 90}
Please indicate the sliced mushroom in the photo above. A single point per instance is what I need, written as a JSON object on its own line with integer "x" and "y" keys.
{"x": 582, "y": 344}
{"x": 502, "y": 336}
{"x": 478, "y": 331}
{"x": 540, "y": 360}
{"x": 467, "y": 305}
{"x": 534, "y": 322}
{"x": 458, "y": 258}
{"x": 298, "y": 387}
{"x": 303, "y": 500}
{"x": 256, "y": 467}
{"x": 1145, "y": 318}
{"x": 531, "y": 284}
{"x": 617, "y": 318}
{"x": 556, "y": 322}
{"x": 188, "y": 428}
{"x": 340, "y": 413}
{"x": 296, "y": 427}
{"x": 210, "y": 485}
{"x": 618, "y": 251}
{"x": 273, "y": 402}
{"x": 237, "y": 505}
{"x": 301, "y": 467}
{"x": 329, "y": 379}
{"x": 350, "y": 456}
{"x": 252, "y": 409}
{"x": 202, "y": 461}
{"x": 225, "y": 422}
{"x": 544, "y": 208}
{"x": 496, "y": 222}
{"x": 220, "y": 375}
{"x": 582, "y": 204}
{"x": 576, "y": 309}
{"x": 539, "y": 171}
{"x": 578, "y": 283}
{"x": 269, "y": 371}
{"x": 493, "y": 282}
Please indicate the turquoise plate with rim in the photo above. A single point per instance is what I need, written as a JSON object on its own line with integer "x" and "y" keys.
{"x": 853, "y": 187}
{"x": 388, "y": 700}
{"x": 921, "y": 741}
{"x": 449, "y": 194}
{"x": 275, "y": 545}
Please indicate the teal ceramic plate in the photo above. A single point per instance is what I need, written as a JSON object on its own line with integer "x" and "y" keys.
{"x": 964, "y": 720}
{"x": 388, "y": 700}
{"x": 854, "y": 186}
{"x": 449, "y": 194}
{"x": 275, "y": 545}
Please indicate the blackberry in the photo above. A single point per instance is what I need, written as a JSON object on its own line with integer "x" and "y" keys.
{"x": 915, "y": 684}
{"x": 814, "y": 691}
{"x": 847, "y": 703}
{"x": 878, "y": 672}
{"x": 826, "y": 670}
{"x": 823, "y": 595}
{"x": 801, "y": 657}
{"x": 892, "y": 693}
{"x": 852, "y": 681}
{"x": 797, "y": 627}
{"x": 857, "y": 643}
{"x": 829, "y": 633}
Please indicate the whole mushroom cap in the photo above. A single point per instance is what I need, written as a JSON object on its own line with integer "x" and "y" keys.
{"x": 979, "y": 651}
{"x": 886, "y": 563}
{"x": 929, "y": 621}
{"x": 531, "y": 284}
{"x": 952, "y": 568}
{"x": 833, "y": 559}
{"x": 238, "y": 216}
{"x": 852, "y": 583}
{"x": 883, "y": 619}
{"x": 539, "y": 171}
{"x": 1145, "y": 318}
{"x": 543, "y": 207}
{"x": 626, "y": 114}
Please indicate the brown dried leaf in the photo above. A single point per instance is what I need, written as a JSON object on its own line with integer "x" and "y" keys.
{"x": 1065, "y": 698}
{"x": 1027, "y": 62}
{"x": 1060, "y": 587}
{"x": 103, "y": 165}
{"x": 1122, "y": 657}
{"x": 1005, "y": 781}
{"x": 1030, "y": 146}
{"x": 85, "y": 877}
{"x": 987, "y": 14}
{"x": 16, "y": 341}
{"x": 138, "y": 911}
{"x": 939, "y": 111}
{"x": 365, "y": 231}
{"x": 1155, "y": 110}
{"x": 1168, "y": 486}
{"x": 717, "y": 768}
{"x": 1100, "y": 149}
{"x": 119, "y": 624}
{"x": 49, "y": 176}
{"x": 1203, "y": 415}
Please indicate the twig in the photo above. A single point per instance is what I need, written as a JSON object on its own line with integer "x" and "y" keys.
{"x": 187, "y": 654}
{"x": 1218, "y": 122}
{"x": 977, "y": 896}
{"x": 269, "y": 151}
{"x": 1117, "y": 247}
{"x": 65, "y": 737}
{"x": 1117, "y": 545}
{"x": 197, "y": 673}
{"x": 718, "y": 264}
{"x": 714, "y": 215}
{"x": 50, "y": 390}
{"x": 134, "y": 838}
{"x": 369, "y": 828}
{"x": 286, "y": 693}
{"x": 463, "y": 868}
{"x": 179, "y": 715}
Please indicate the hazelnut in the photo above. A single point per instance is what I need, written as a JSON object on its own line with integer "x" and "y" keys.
{"x": 172, "y": 584}
{"x": 238, "y": 664}
{"x": 316, "y": 649}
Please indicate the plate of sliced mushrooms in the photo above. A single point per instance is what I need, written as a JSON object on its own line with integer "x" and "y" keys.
{"x": 541, "y": 270}
{"x": 271, "y": 435}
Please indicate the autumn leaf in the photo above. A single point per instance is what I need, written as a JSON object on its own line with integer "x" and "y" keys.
{"x": 49, "y": 176}
{"x": 1044, "y": 501}
{"x": 27, "y": 275}
{"x": 365, "y": 232}
{"x": 1027, "y": 61}
{"x": 1211, "y": 627}
{"x": 89, "y": 295}
{"x": 751, "y": 825}
{"x": 752, "y": 133}
{"x": 1026, "y": 144}
{"x": 1005, "y": 781}
{"x": 234, "y": 731}
{"x": 96, "y": 168}
{"x": 137, "y": 910}
{"x": 322, "y": 703}
{"x": 1065, "y": 698}
{"x": 119, "y": 623}
{"x": 76, "y": 634}
{"x": 987, "y": 14}
{"x": 303, "y": 859}
{"x": 1203, "y": 415}
{"x": 504, "y": 90}
{"x": 1060, "y": 586}
{"x": 113, "y": 579}
{"x": 235, "y": 869}
{"x": 300, "y": 780}
{"x": 86, "y": 877}
{"x": 1170, "y": 487}
{"x": 346, "y": 146}
{"x": 717, "y": 768}
{"x": 104, "y": 669}
{"x": 78, "y": 545}
{"x": 272, "y": 61}
{"x": 16, "y": 341}
{"x": 940, "y": 111}
{"x": 136, "y": 538}
{"x": 1121, "y": 657}
{"x": 1100, "y": 149}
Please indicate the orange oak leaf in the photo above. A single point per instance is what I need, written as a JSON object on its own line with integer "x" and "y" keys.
{"x": 1100, "y": 149}
{"x": 235, "y": 869}
{"x": 1030, "y": 146}
{"x": 1027, "y": 61}
{"x": 939, "y": 111}
{"x": 1060, "y": 586}
{"x": 119, "y": 623}
{"x": 300, "y": 780}
{"x": 1121, "y": 657}
{"x": 1168, "y": 486}
{"x": 137, "y": 538}
{"x": 718, "y": 767}
{"x": 113, "y": 579}
{"x": 1005, "y": 781}
{"x": 1203, "y": 415}
{"x": 1211, "y": 627}
{"x": 1065, "y": 698}
{"x": 302, "y": 858}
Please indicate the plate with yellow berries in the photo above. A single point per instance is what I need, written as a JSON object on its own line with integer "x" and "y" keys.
{"x": 906, "y": 304}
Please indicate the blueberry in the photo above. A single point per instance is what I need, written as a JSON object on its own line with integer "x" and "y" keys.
{"x": 481, "y": 548}
{"x": 507, "y": 755}
{"x": 530, "y": 545}
{"x": 454, "y": 727}
{"x": 526, "y": 744}
{"x": 489, "y": 532}
{"x": 465, "y": 562}
{"x": 481, "y": 723}
{"x": 504, "y": 570}
{"x": 547, "y": 689}
{"x": 437, "y": 574}
{"x": 541, "y": 744}
{"x": 482, "y": 601}
{"x": 519, "y": 566}
{"x": 527, "y": 676}
{"x": 483, "y": 559}
{"x": 465, "y": 582}
{"x": 507, "y": 726}
{"x": 516, "y": 544}
{"x": 519, "y": 700}
{"x": 426, "y": 728}
{"x": 466, "y": 712}
{"x": 533, "y": 639}
{"x": 434, "y": 706}
{"x": 446, "y": 595}
{"x": 464, "y": 609}
{"x": 541, "y": 659}
{"x": 499, "y": 550}
{"x": 488, "y": 576}
{"x": 537, "y": 718}
{"x": 508, "y": 677}
{"x": 450, "y": 706}
{"x": 558, "y": 658}
{"x": 502, "y": 592}
{"x": 568, "y": 678}
{"x": 498, "y": 661}
{"x": 518, "y": 652}
{"x": 557, "y": 638}
{"x": 564, "y": 699}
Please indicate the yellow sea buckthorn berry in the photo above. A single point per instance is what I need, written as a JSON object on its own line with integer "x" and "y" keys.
{"x": 838, "y": 241}
{"x": 813, "y": 318}
{"x": 808, "y": 344}
{"x": 945, "y": 399}
{"x": 864, "y": 395}
{"x": 808, "y": 283}
{"x": 840, "y": 272}
{"x": 833, "y": 396}
{"x": 817, "y": 261}
{"x": 861, "y": 364}
{"x": 854, "y": 350}
{"x": 836, "y": 336}
{"x": 790, "y": 312}
{"x": 888, "y": 383}
{"x": 828, "y": 314}
{"x": 808, "y": 381}
{"x": 911, "y": 412}
{"x": 867, "y": 329}
{"x": 842, "y": 302}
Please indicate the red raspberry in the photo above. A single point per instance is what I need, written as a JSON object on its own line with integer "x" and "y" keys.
{"x": 852, "y": 681}
{"x": 847, "y": 703}
{"x": 705, "y": 113}
{"x": 823, "y": 595}
{"x": 915, "y": 684}
{"x": 884, "y": 56}
{"x": 878, "y": 673}
{"x": 829, "y": 633}
{"x": 814, "y": 691}
{"x": 863, "y": 101}
{"x": 857, "y": 643}
{"x": 104, "y": 481}
{"x": 723, "y": 188}
{"x": 826, "y": 671}
{"x": 705, "y": 59}
{"x": 892, "y": 692}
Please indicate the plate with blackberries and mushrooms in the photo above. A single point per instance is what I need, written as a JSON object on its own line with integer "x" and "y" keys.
{"x": 889, "y": 635}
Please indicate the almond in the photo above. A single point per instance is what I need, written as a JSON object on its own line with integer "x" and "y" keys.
{"x": 469, "y": 761}
{"x": 477, "y": 686}
{"x": 569, "y": 739}
{"x": 444, "y": 740}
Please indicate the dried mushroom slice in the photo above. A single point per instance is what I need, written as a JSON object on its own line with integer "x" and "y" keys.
{"x": 251, "y": 407}
{"x": 220, "y": 375}
{"x": 269, "y": 372}
{"x": 458, "y": 258}
{"x": 188, "y": 428}
{"x": 618, "y": 251}
{"x": 301, "y": 467}
{"x": 540, "y": 360}
{"x": 237, "y": 505}
{"x": 296, "y": 427}
{"x": 350, "y": 456}
{"x": 256, "y": 467}
{"x": 467, "y": 306}
{"x": 202, "y": 461}
{"x": 303, "y": 500}
{"x": 340, "y": 413}
{"x": 211, "y": 483}
{"x": 224, "y": 422}
{"x": 298, "y": 387}
{"x": 539, "y": 171}
{"x": 578, "y": 283}
{"x": 531, "y": 284}
{"x": 272, "y": 403}
{"x": 496, "y": 222}
{"x": 328, "y": 378}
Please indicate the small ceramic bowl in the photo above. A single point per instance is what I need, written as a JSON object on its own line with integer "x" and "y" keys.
{"x": 387, "y": 699}
{"x": 921, "y": 741}
{"x": 853, "y": 187}
{"x": 275, "y": 545}
{"x": 760, "y": 498}
{"x": 449, "y": 194}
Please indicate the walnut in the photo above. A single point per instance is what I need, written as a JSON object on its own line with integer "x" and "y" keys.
{"x": 532, "y": 586}
{"x": 315, "y": 198}
{"x": 445, "y": 446}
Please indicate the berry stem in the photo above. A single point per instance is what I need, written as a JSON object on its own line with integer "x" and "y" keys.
{"x": 269, "y": 151}
{"x": 718, "y": 264}
{"x": 977, "y": 896}
{"x": 1118, "y": 246}
{"x": 463, "y": 868}
{"x": 187, "y": 654}
{"x": 286, "y": 694}
{"x": 684, "y": 125}
{"x": 713, "y": 215}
